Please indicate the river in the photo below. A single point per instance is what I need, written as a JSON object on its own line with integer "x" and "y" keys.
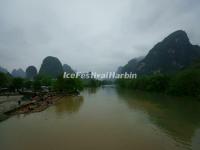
{"x": 107, "y": 119}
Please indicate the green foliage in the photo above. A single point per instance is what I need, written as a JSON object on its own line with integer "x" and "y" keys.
{"x": 4, "y": 80}
{"x": 28, "y": 84}
{"x": 68, "y": 84}
{"x": 59, "y": 84}
{"x": 154, "y": 83}
{"x": 37, "y": 85}
{"x": 185, "y": 83}
{"x": 44, "y": 79}
{"x": 157, "y": 83}
{"x": 17, "y": 83}
{"x": 41, "y": 80}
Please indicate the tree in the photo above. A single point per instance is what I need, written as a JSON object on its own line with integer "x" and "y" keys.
{"x": 4, "y": 80}
{"x": 157, "y": 83}
{"x": 186, "y": 83}
{"x": 44, "y": 79}
{"x": 68, "y": 84}
{"x": 28, "y": 84}
{"x": 36, "y": 85}
{"x": 17, "y": 83}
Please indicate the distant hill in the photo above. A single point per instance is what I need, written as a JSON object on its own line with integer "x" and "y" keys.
{"x": 3, "y": 70}
{"x": 131, "y": 66}
{"x": 51, "y": 66}
{"x": 31, "y": 72}
{"x": 119, "y": 69}
{"x": 18, "y": 73}
{"x": 174, "y": 53}
{"x": 68, "y": 69}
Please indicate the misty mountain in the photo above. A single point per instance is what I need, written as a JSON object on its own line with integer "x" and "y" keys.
{"x": 68, "y": 69}
{"x": 174, "y": 53}
{"x": 119, "y": 69}
{"x": 3, "y": 70}
{"x": 51, "y": 66}
{"x": 131, "y": 66}
{"x": 31, "y": 72}
{"x": 18, "y": 73}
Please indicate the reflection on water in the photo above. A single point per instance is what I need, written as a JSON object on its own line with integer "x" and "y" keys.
{"x": 178, "y": 117}
{"x": 69, "y": 104}
{"x": 92, "y": 90}
{"x": 109, "y": 119}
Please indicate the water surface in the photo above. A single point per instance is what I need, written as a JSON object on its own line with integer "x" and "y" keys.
{"x": 107, "y": 119}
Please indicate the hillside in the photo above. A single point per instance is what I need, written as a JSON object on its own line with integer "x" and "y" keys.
{"x": 174, "y": 53}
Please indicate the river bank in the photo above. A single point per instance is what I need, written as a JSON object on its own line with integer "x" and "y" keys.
{"x": 14, "y": 105}
{"x": 8, "y": 103}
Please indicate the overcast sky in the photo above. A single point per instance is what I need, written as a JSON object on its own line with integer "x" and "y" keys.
{"x": 90, "y": 35}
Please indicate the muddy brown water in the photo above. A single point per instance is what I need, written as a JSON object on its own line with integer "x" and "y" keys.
{"x": 107, "y": 119}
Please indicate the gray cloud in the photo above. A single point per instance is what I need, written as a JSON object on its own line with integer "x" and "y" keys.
{"x": 89, "y": 35}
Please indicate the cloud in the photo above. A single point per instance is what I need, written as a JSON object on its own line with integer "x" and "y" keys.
{"x": 90, "y": 35}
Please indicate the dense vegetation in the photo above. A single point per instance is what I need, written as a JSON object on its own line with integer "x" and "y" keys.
{"x": 68, "y": 84}
{"x": 60, "y": 84}
{"x": 4, "y": 80}
{"x": 186, "y": 82}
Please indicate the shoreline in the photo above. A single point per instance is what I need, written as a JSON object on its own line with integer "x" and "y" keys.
{"x": 33, "y": 105}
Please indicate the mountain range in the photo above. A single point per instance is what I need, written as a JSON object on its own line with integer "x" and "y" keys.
{"x": 68, "y": 69}
{"x": 51, "y": 66}
{"x": 174, "y": 53}
{"x": 3, "y": 70}
{"x": 18, "y": 73}
{"x": 31, "y": 72}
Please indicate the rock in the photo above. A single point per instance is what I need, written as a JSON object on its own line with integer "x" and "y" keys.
{"x": 31, "y": 72}
{"x": 51, "y": 66}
